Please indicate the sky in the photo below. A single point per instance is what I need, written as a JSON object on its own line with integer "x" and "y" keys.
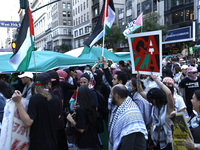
{"x": 8, "y": 12}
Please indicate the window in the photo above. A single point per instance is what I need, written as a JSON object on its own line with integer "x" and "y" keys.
{"x": 121, "y": 22}
{"x": 189, "y": 1}
{"x": 87, "y": 15}
{"x": 69, "y": 14}
{"x": 69, "y": 22}
{"x": 63, "y": 5}
{"x": 175, "y": 3}
{"x": 81, "y": 7}
{"x": 120, "y": 10}
{"x": 80, "y": 31}
{"x": 167, "y": 5}
{"x": 64, "y": 22}
{"x": 84, "y": 5}
{"x": 87, "y": 3}
{"x": 74, "y": 23}
{"x": 64, "y": 31}
{"x": 64, "y": 13}
{"x": 95, "y": 12}
{"x": 81, "y": 42}
{"x": 69, "y": 31}
{"x": 138, "y": 9}
{"x": 128, "y": 19}
{"x": 167, "y": 19}
{"x": 128, "y": 4}
{"x": 86, "y": 29}
{"x": 68, "y": 5}
{"x": 84, "y": 17}
{"x": 189, "y": 14}
{"x": 154, "y": 5}
{"x": 78, "y": 9}
{"x": 178, "y": 17}
{"x": 76, "y": 33}
{"x": 146, "y": 7}
{"x": 81, "y": 19}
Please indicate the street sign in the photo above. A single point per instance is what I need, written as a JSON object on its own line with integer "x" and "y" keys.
{"x": 10, "y": 24}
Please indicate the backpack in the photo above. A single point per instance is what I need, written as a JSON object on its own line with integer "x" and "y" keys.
{"x": 102, "y": 112}
{"x": 102, "y": 105}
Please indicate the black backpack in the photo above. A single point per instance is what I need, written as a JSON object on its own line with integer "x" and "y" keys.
{"x": 102, "y": 105}
{"x": 102, "y": 112}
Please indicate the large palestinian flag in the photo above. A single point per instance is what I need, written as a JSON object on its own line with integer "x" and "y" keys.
{"x": 24, "y": 44}
{"x": 108, "y": 17}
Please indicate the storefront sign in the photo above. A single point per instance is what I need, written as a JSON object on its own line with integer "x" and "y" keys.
{"x": 178, "y": 34}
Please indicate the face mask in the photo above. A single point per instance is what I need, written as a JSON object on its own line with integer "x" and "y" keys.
{"x": 192, "y": 76}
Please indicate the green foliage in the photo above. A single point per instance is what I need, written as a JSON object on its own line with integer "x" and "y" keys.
{"x": 150, "y": 23}
{"x": 115, "y": 35}
{"x": 65, "y": 48}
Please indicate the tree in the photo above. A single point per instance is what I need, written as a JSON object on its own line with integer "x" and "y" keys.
{"x": 115, "y": 35}
{"x": 65, "y": 48}
{"x": 150, "y": 23}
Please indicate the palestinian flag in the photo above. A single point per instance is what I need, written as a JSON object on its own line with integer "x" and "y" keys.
{"x": 108, "y": 18}
{"x": 24, "y": 44}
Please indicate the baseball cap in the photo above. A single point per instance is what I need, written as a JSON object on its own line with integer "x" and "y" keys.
{"x": 44, "y": 78}
{"x": 26, "y": 74}
{"x": 184, "y": 67}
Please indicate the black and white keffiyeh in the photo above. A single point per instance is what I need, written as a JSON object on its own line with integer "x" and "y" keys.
{"x": 125, "y": 119}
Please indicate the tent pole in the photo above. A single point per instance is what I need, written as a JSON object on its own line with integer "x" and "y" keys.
{"x": 34, "y": 61}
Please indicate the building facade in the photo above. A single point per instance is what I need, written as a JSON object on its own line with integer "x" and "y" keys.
{"x": 52, "y": 24}
{"x": 179, "y": 17}
{"x": 81, "y": 21}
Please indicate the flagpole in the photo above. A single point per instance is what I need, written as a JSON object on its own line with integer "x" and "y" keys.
{"x": 34, "y": 62}
{"x": 105, "y": 10}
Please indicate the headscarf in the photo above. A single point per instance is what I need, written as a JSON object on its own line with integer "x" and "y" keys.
{"x": 62, "y": 75}
{"x": 168, "y": 80}
{"x": 79, "y": 74}
{"x": 192, "y": 73}
{"x": 98, "y": 76}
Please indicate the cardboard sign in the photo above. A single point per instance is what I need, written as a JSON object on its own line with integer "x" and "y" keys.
{"x": 180, "y": 131}
{"x": 146, "y": 52}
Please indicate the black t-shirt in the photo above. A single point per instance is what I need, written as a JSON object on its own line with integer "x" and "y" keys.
{"x": 190, "y": 86}
{"x": 89, "y": 138}
{"x": 44, "y": 128}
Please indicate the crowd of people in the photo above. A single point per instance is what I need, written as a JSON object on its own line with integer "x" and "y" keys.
{"x": 105, "y": 106}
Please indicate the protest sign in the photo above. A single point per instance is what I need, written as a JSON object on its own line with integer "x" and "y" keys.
{"x": 14, "y": 135}
{"x": 146, "y": 52}
{"x": 180, "y": 131}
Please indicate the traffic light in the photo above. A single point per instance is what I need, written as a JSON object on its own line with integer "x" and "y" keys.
{"x": 23, "y": 4}
{"x": 13, "y": 45}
